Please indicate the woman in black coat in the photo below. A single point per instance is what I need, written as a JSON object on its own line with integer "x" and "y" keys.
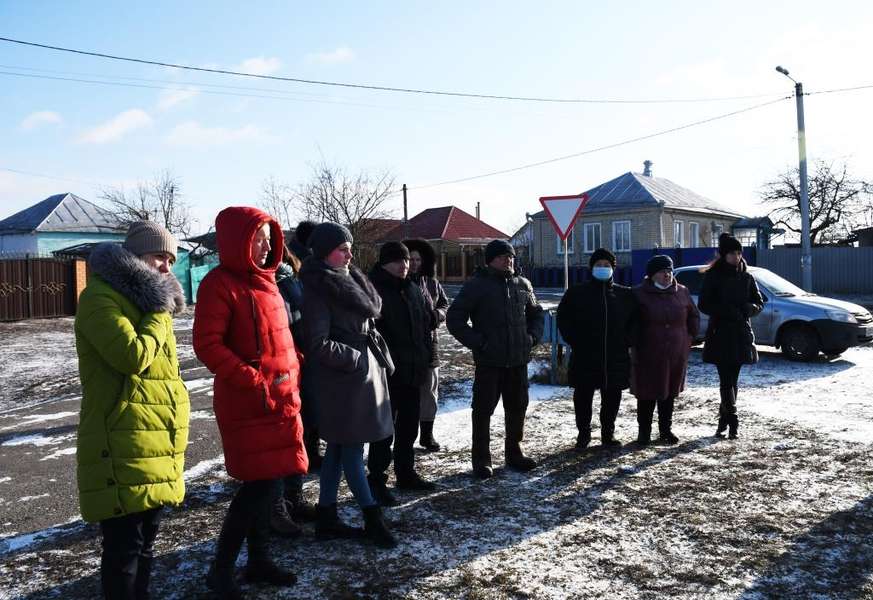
{"x": 731, "y": 298}
{"x": 595, "y": 319}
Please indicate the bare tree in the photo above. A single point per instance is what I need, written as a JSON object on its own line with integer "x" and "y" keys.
{"x": 354, "y": 200}
{"x": 159, "y": 200}
{"x": 837, "y": 201}
{"x": 277, "y": 199}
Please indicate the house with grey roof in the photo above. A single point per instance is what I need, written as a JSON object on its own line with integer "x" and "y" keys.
{"x": 631, "y": 212}
{"x": 58, "y": 222}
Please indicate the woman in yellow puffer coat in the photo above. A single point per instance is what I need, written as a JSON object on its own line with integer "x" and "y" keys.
{"x": 133, "y": 423}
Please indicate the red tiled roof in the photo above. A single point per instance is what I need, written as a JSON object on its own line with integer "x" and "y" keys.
{"x": 446, "y": 223}
{"x": 376, "y": 229}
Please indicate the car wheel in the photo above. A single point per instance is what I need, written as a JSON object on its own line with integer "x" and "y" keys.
{"x": 835, "y": 352}
{"x": 800, "y": 342}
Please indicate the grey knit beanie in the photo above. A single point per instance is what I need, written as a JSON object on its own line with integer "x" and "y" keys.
{"x": 148, "y": 237}
{"x": 326, "y": 237}
{"x": 497, "y": 248}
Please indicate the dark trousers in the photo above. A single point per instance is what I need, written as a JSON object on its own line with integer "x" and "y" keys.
{"x": 405, "y": 406}
{"x": 728, "y": 376}
{"x": 247, "y": 519}
{"x": 489, "y": 385}
{"x": 646, "y": 410}
{"x": 610, "y": 400}
{"x": 126, "y": 563}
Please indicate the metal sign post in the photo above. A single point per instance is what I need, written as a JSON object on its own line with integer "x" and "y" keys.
{"x": 563, "y": 211}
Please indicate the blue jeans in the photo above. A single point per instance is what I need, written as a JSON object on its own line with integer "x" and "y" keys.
{"x": 348, "y": 459}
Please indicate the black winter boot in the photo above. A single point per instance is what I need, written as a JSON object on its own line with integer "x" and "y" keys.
{"x": 301, "y": 510}
{"x": 481, "y": 449}
{"x": 733, "y": 424}
{"x": 264, "y": 570}
{"x": 665, "y": 421}
{"x": 582, "y": 441}
{"x": 722, "y": 426}
{"x": 329, "y": 527}
{"x": 425, "y": 439}
{"x": 414, "y": 481}
{"x": 644, "y": 436}
{"x": 379, "y": 489}
{"x": 221, "y": 581}
{"x": 375, "y": 528}
{"x": 281, "y": 522}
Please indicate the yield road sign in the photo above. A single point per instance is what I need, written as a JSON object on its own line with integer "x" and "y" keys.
{"x": 563, "y": 211}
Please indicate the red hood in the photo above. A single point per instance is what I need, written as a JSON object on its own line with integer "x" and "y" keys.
{"x": 235, "y": 228}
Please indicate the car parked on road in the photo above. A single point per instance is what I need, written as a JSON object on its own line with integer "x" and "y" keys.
{"x": 802, "y": 324}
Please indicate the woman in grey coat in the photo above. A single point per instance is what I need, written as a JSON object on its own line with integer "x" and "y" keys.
{"x": 347, "y": 361}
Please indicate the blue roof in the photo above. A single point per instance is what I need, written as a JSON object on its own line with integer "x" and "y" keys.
{"x": 62, "y": 213}
{"x": 634, "y": 190}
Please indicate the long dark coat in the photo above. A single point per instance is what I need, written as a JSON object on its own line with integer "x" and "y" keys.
{"x": 438, "y": 301}
{"x": 666, "y": 325}
{"x": 405, "y": 323}
{"x": 497, "y": 316}
{"x": 595, "y": 318}
{"x": 350, "y": 384}
{"x": 730, "y": 297}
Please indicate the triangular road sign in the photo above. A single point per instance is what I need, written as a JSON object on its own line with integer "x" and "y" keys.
{"x": 563, "y": 211}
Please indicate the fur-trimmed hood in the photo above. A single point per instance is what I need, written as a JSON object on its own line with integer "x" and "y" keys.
{"x": 149, "y": 290}
{"x": 353, "y": 291}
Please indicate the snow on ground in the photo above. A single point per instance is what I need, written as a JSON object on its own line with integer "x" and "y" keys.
{"x": 786, "y": 511}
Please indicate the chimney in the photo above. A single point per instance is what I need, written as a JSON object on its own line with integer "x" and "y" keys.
{"x": 477, "y": 210}
{"x": 647, "y": 168}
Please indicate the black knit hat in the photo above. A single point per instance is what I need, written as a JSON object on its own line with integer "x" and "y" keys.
{"x": 391, "y": 251}
{"x": 659, "y": 262}
{"x": 325, "y": 238}
{"x": 728, "y": 243}
{"x": 304, "y": 230}
{"x": 601, "y": 254}
{"x": 497, "y": 248}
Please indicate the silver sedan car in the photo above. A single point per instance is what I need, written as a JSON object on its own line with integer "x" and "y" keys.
{"x": 800, "y": 323}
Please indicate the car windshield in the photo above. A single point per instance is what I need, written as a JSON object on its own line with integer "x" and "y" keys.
{"x": 777, "y": 285}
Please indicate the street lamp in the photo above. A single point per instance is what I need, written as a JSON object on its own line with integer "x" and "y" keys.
{"x": 806, "y": 249}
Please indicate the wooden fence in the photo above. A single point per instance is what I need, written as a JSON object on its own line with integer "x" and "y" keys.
{"x": 33, "y": 288}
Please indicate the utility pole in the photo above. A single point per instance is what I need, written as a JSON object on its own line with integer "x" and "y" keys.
{"x": 405, "y": 215}
{"x": 805, "y": 245}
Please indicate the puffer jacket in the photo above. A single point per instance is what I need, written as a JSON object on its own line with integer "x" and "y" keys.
{"x": 730, "y": 297}
{"x": 133, "y": 422}
{"x": 497, "y": 316}
{"x": 596, "y": 319}
{"x": 437, "y": 300}
{"x": 241, "y": 334}
{"x": 405, "y": 323}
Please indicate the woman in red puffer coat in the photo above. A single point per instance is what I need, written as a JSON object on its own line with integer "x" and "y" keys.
{"x": 241, "y": 334}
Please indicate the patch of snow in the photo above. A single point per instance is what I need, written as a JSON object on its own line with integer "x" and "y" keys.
{"x": 5, "y": 479}
{"x": 13, "y": 542}
{"x": 201, "y": 414}
{"x": 29, "y": 498}
{"x": 60, "y": 453}
{"x": 203, "y": 467}
{"x": 36, "y": 439}
{"x": 194, "y": 385}
{"x": 31, "y": 419}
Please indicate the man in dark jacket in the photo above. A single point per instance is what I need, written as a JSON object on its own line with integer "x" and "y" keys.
{"x": 405, "y": 323}
{"x": 507, "y": 322}
{"x": 595, "y": 319}
{"x": 422, "y": 270}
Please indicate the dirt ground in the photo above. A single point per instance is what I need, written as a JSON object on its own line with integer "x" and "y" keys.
{"x": 786, "y": 511}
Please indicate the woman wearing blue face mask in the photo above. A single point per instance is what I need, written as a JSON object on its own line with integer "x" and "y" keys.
{"x": 595, "y": 320}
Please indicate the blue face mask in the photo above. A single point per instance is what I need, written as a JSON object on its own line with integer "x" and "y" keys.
{"x": 602, "y": 273}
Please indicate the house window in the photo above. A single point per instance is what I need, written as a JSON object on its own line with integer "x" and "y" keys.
{"x": 716, "y": 231}
{"x": 621, "y": 236}
{"x": 693, "y": 235}
{"x": 678, "y": 234}
{"x": 571, "y": 243}
{"x": 591, "y": 235}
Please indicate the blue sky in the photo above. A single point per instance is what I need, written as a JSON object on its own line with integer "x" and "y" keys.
{"x": 223, "y": 147}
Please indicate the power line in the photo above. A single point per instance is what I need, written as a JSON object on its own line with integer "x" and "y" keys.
{"x": 380, "y": 88}
{"x": 44, "y": 176}
{"x": 601, "y": 148}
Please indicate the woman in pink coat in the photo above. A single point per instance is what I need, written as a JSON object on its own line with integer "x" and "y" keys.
{"x": 667, "y": 324}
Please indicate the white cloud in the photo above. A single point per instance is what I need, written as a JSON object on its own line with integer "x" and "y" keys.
{"x": 259, "y": 65}
{"x": 170, "y": 98}
{"x": 115, "y": 128}
{"x": 192, "y": 133}
{"x": 339, "y": 55}
{"x": 42, "y": 117}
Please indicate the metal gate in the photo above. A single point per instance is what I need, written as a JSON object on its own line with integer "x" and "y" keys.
{"x": 34, "y": 288}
